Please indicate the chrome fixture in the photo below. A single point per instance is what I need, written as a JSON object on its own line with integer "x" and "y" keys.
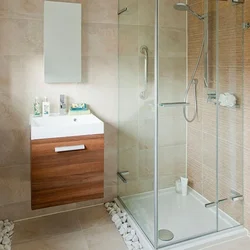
{"x": 193, "y": 82}
{"x": 237, "y": 1}
{"x": 185, "y": 7}
{"x": 172, "y": 104}
{"x": 236, "y": 196}
{"x": 144, "y": 51}
{"x": 121, "y": 176}
{"x": 211, "y": 97}
{"x": 212, "y": 204}
{"x": 165, "y": 235}
{"x": 63, "y": 105}
{"x": 122, "y": 11}
{"x": 246, "y": 26}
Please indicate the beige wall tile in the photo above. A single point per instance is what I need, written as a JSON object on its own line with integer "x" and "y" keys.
{"x": 146, "y": 12}
{"x": 168, "y": 16}
{"x": 14, "y": 184}
{"x": 99, "y": 39}
{"x": 20, "y": 36}
{"x": 99, "y": 11}
{"x": 128, "y": 40}
{"x": 131, "y": 16}
{"x": 22, "y": 8}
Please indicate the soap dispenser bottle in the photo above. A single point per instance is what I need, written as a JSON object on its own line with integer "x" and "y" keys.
{"x": 46, "y": 107}
{"x": 37, "y": 107}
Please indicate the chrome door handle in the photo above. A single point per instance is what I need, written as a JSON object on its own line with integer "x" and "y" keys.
{"x": 171, "y": 104}
{"x": 212, "y": 204}
{"x": 69, "y": 148}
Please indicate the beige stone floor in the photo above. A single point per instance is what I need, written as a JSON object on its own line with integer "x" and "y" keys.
{"x": 85, "y": 229}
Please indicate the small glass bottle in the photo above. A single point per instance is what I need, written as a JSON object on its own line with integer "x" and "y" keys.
{"x": 37, "y": 107}
{"x": 46, "y": 107}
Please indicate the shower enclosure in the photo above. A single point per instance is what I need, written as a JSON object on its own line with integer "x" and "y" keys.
{"x": 177, "y": 60}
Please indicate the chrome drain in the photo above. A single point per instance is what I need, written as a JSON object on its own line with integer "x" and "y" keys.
{"x": 165, "y": 235}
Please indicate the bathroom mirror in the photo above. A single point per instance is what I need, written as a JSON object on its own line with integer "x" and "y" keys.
{"x": 62, "y": 42}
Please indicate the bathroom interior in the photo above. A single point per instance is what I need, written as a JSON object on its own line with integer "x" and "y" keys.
{"x": 147, "y": 105}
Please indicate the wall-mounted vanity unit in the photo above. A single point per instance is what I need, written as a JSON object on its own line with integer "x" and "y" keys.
{"x": 62, "y": 42}
{"x": 67, "y": 160}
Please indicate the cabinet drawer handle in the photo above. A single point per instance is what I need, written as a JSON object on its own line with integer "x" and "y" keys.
{"x": 69, "y": 148}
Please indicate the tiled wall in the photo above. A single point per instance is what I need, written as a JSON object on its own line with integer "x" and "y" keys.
{"x": 136, "y": 116}
{"x": 202, "y": 133}
{"x": 21, "y": 79}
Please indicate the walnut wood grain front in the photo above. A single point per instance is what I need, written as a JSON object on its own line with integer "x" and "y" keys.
{"x": 66, "y": 177}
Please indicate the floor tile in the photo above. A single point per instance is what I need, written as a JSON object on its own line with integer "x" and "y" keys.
{"x": 93, "y": 216}
{"x": 239, "y": 244}
{"x": 48, "y": 226}
{"x": 109, "y": 245}
{"x": 32, "y": 245}
{"x": 74, "y": 241}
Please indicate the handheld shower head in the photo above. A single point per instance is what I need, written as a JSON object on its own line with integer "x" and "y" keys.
{"x": 185, "y": 7}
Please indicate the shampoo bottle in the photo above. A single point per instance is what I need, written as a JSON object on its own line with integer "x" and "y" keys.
{"x": 46, "y": 107}
{"x": 37, "y": 107}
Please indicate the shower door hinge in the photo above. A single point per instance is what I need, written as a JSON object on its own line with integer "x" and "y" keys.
{"x": 246, "y": 26}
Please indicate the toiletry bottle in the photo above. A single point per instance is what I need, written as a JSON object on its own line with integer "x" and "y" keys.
{"x": 46, "y": 107}
{"x": 37, "y": 107}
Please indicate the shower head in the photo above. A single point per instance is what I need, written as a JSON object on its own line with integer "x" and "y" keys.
{"x": 185, "y": 7}
{"x": 181, "y": 7}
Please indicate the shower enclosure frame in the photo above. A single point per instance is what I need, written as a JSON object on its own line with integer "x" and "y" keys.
{"x": 156, "y": 129}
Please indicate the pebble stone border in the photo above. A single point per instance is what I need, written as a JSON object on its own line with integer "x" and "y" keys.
{"x": 6, "y": 233}
{"x": 120, "y": 219}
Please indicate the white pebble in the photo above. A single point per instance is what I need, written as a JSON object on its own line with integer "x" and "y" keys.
{"x": 135, "y": 238}
{"x": 7, "y": 247}
{"x": 1, "y": 247}
{"x": 128, "y": 237}
{"x": 109, "y": 208}
{"x": 133, "y": 232}
{"x": 115, "y": 217}
{"x": 6, "y": 240}
{"x": 136, "y": 245}
{"x": 4, "y": 231}
{"x": 118, "y": 224}
{"x": 124, "y": 219}
{"x": 112, "y": 213}
{"x": 107, "y": 204}
{"x": 128, "y": 242}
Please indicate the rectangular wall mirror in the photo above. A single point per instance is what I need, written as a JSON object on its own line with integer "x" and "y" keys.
{"x": 62, "y": 42}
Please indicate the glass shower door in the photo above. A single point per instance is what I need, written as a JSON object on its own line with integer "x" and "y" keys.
{"x": 230, "y": 119}
{"x": 136, "y": 151}
{"x": 180, "y": 150}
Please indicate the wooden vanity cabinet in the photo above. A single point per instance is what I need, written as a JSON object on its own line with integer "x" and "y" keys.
{"x": 59, "y": 178}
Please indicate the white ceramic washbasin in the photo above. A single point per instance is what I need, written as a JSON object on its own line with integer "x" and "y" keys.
{"x": 55, "y": 126}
